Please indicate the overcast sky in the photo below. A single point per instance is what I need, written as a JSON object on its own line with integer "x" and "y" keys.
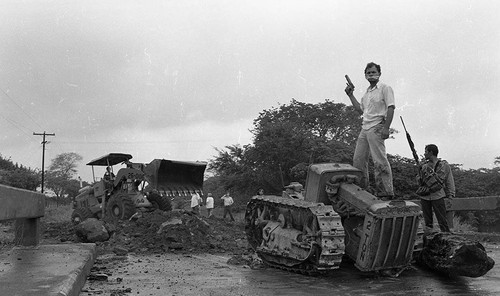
{"x": 176, "y": 79}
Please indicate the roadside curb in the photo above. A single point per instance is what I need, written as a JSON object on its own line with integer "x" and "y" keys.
{"x": 46, "y": 270}
{"x": 73, "y": 285}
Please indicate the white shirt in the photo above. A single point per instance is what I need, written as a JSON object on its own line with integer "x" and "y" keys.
{"x": 228, "y": 200}
{"x": 210, "y": 202}
{"x": 374, "y": 104}
{"x": 195, "y": 200}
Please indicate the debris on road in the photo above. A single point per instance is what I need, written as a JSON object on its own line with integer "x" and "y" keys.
{"x": 454, "y": 255}
{"x": 156, "y": 232}
{"x": 92, "y": 230}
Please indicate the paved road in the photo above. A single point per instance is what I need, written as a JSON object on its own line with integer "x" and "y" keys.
{"x": 175, "y": 274}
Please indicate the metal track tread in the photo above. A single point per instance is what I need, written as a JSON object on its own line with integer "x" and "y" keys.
{"x": 319, "y": 223}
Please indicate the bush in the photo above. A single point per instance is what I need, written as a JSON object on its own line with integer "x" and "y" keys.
{"x": 58, "y": 214}
{"x": 460, "y": 225}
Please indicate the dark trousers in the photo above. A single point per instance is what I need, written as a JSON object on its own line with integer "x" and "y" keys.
{"x": 227, "y": 210}
{"x": 439, "y": 208}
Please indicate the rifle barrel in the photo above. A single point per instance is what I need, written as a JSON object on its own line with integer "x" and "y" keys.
{"x": 410, "y": 142}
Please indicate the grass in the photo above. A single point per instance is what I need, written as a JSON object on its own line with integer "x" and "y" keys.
{"x": 459, "y": 225}
{"x": 6, "y": 234}
{"x": 58, "y": 214}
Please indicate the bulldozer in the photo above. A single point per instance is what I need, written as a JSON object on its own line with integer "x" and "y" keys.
{"x": 137, "y": 185}
{"x": 336, "y": 220}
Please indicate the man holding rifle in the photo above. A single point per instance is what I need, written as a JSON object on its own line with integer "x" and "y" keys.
{"x": 436, "y": 183}
{"x": 377, "y": 107}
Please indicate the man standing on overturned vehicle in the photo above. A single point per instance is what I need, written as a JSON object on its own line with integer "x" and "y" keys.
{"x": 377, "y": 107}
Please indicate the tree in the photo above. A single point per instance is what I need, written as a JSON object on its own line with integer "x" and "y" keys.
{"x": 404, "y": 173}
{"x": 327, "y": 121}
{"x": 286, "y": 140}
{"x": 289, "y": 138}
{"x": 61, "y": 172}
{"x": 233, "y": 170}
{"x": 18, "y": 176}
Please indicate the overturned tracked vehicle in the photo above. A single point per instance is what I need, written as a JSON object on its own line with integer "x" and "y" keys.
{"x": 137, "y": 185}
{"x": 336, "y": 218}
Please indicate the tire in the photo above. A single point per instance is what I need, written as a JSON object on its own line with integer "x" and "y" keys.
{"x": 120, "y": 207}
{"x": 81, "y": 214}
{"x": 160, "y": 202}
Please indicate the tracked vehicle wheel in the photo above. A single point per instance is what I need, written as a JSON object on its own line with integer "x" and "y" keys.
{"x": 295, "y": 235}
{"x": 120, "y": 207}
{"x": 81, "y": 214}
{"x": 160, "y": 202}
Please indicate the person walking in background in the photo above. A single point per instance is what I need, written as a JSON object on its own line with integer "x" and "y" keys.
{"x": 209, "y": 204}
{"x": 436, "y": 182}
{"x": 195, "y": 203}
{"x": 377, "y": 107}
{"x": 228, "y": 202}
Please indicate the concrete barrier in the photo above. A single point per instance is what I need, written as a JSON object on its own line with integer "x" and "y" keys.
{"x": 26, "y": 207}
{"x": 480, "y": 203}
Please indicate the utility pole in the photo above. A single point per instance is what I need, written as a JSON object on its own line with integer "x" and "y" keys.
{"x": 43, "y": 153}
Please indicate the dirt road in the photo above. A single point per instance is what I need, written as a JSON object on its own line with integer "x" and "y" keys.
{"x": 209, "y": 274}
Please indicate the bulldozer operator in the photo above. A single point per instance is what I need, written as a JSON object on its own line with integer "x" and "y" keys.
{"x": 108, "y": 178}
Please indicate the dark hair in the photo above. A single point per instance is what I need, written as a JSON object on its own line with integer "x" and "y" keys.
{"x": 372, "y": 64}
{"x": 432, "y": 149}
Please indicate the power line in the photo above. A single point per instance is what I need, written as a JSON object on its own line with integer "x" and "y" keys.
{"x": 13, "y": 101}
{"x": 17, "y": 126}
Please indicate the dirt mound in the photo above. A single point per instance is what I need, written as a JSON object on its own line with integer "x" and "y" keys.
{"x": 159, "y": 232}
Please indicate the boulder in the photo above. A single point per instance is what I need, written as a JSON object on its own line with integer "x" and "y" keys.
{"x": 92, "y": 230}
{"x": 454, "y": 255}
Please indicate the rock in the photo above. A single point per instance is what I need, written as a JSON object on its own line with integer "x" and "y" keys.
{"x": 453, "y": 255}
{"x": 135, "y": 216}
{"x": 176, "y": 246}
{"x": 253, "y": 261}
{"x": 120, "y": 251}
{"x": 92, "y": 230}
{"x": 239, "y": 260}
{"x": 98, "y": 277}
{"x": 111, "y": 228}
{"x": 173, "y": 221}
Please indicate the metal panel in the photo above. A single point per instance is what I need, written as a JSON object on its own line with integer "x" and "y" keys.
{"x": 386, "y": 242}
{"x": 319, "y": 174}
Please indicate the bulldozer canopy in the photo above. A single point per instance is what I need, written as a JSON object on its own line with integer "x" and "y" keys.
{"x": 169, "y": 175}
{"x": 110, "y": 159}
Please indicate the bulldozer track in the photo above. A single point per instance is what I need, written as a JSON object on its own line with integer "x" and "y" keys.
{"x": 318, "y": 225}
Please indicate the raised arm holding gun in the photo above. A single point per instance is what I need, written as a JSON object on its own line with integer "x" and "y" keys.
{"x": 377, "y": 107}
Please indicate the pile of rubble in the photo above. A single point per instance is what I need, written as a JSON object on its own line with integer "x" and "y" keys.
{"x": 157, "y": 232}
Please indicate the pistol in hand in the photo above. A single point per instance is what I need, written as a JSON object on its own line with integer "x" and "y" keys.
{"x": 350, "y": 86}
